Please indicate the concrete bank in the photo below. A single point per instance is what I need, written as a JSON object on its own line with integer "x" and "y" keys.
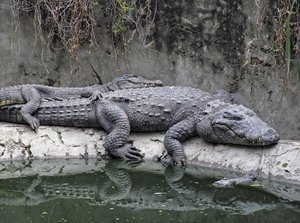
{"x": 279, "y": 162}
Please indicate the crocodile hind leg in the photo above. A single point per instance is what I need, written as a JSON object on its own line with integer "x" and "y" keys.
{"x": 33, "y": 99}
{"x": 115, "y": 121}
{"x": 174, "y": 136}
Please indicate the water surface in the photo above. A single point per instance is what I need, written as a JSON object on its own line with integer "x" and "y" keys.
{"x": 117, "y": 192}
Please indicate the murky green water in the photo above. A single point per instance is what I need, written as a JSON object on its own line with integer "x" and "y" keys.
{"x": 119, "y": 193}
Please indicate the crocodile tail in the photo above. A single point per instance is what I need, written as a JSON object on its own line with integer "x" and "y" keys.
{"x": 8, "y": 102}
{"x": 11, "y": 114}
{"x": 11, "y": 95}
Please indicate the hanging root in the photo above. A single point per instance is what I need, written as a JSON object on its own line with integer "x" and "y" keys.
{"x": 68, "y": 22}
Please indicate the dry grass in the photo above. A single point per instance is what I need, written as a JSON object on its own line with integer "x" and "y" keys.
{"x": 287, "y": 35}
{"x": 130, "y": 19}
{"x": 69, "y": 22}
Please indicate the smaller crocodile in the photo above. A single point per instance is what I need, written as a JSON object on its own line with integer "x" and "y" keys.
{"x": 31, "y": 94}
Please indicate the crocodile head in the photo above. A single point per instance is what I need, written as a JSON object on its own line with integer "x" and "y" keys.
{"x": 236, "y": 124}
{"x": 135, "y": 81}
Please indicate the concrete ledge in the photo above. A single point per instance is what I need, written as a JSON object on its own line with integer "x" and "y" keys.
{"x": 279, "y": 162}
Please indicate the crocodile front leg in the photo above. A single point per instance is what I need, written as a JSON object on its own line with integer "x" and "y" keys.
{"x": 33, "y": 99}
{"x": 174, "y": 136}
{"x": 115, "y": 121}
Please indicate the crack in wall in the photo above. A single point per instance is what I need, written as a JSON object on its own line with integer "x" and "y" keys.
{"x": 59, "y": 134}
{"x": 98, "y": 77}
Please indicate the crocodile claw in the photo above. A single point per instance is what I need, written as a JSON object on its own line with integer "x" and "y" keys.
{"x": 167, "y": 160}
{"x": 134, "y": 153}
{"x": 134, "y": 163}
{"x": 95, "y": 96}
{"x": 127, "y": 152}
{"x": 34, "y": 123}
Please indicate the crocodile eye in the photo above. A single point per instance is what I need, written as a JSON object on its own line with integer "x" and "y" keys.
{"x": 132, "y": 75}
{"x": 231, "y": 116}
{"x": 249, "y": 113}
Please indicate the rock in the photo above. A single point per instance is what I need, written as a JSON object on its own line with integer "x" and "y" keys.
{"x": 19, "y": 142}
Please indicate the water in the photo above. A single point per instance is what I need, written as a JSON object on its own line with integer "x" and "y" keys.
{"x": 118, "y": 192}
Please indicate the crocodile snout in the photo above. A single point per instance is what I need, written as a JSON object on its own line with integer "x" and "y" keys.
{"x": 270, "y": 137}
{"x": 267, "y": 137}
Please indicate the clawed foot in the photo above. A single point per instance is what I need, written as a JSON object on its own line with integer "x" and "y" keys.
{"x": 127, "y": 152}
{"x": 95, "y": 96}
{"x": 134, "y": 163}
{"x": 33, "y": 122}
{"x": 123, "y": 164}
{"x": 167, "y": 160}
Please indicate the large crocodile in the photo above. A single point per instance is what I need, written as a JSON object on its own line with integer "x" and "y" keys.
{"x": 31, "y": 94}
{"x": 182, "y": 112}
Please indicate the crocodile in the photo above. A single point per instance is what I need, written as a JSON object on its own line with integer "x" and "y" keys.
{"x": 182, "y": 112}
{"x": 31, "y": 94}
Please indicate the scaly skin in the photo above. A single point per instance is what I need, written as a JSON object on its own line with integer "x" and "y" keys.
{"x": 180, "y": 111}
{"x": 31, "y": 95}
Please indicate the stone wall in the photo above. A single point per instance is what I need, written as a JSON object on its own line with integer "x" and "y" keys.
{"x": 210, "y": 44}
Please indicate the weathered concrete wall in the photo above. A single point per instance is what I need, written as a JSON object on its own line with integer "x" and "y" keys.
{"x": 201, "y": 43}
{"x": 280, "y": 162}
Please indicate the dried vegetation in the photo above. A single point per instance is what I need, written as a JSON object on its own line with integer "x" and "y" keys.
{"x": 67, "y": 22}
{"x": 287, "y": 34}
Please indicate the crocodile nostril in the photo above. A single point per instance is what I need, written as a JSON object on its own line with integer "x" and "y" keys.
{"x": 271, "y": 135}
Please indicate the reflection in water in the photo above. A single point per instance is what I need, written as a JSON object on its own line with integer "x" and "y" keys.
{"x": 117, "y": 190}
